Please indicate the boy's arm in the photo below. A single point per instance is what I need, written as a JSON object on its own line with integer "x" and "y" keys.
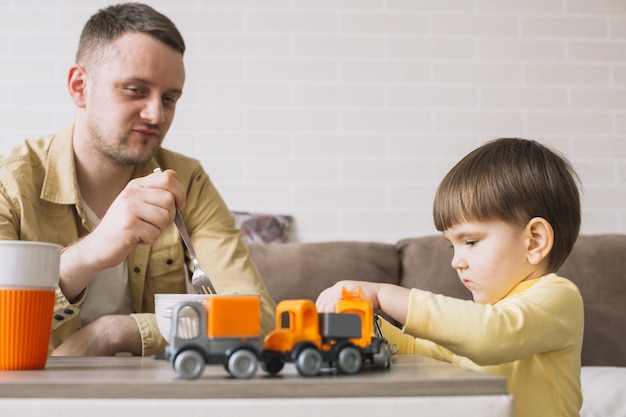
{"x": 409, "y": 345}
{"x": 546, "y": 317}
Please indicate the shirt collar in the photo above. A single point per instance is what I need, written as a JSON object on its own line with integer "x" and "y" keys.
{"x": 59, "y": 184}
{"x": 522, "y": 286}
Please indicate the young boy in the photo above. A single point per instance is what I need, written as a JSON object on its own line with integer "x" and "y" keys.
{"x": 511, "y": 211}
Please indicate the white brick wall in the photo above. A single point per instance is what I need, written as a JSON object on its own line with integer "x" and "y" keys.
{"x": 347, "y": 113}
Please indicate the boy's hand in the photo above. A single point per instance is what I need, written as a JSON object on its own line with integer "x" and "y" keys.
{"x": 392, "y": 299}
{"x": 328, "y": 298}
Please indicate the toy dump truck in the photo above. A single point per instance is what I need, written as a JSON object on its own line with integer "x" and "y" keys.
{"x": 343, "y": 340}
{"x": 224, "y": 330}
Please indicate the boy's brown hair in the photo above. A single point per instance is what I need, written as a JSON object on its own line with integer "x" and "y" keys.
{"x": 513, "y": 180}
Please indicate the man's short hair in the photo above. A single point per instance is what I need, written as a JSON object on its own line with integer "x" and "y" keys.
{"x": 111, "y": 22}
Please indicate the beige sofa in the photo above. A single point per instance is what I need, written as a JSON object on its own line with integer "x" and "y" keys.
{"x": 597, "y": 265}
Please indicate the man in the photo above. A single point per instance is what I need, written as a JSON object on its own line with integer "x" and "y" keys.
{"x": 91, "y": 188}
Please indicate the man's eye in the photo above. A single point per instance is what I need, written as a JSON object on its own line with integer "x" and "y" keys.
{"x": 170, "y": 100}
{"x": 133, "y": 90}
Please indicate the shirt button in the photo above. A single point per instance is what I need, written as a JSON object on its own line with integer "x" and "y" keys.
{"x": 59, "y": 317}
{"x": 169, "y": 261}
{"x": 137, "y": 270}
{"x": 68, "y": 311}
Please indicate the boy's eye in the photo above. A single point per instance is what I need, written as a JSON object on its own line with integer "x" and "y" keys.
{"x": 471, "y": 242}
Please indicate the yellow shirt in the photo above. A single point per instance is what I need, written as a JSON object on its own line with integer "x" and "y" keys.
{"x": 533, "y": 337}
{"x": 40, "y": 201}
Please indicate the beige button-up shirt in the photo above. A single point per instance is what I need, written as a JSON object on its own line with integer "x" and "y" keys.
{"x": 40, "y": 201}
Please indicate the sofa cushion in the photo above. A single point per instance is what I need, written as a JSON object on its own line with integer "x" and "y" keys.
{"x": 303, "y": 270}
{"x": 425, "y": 263}
{"x": 597, "y": 265}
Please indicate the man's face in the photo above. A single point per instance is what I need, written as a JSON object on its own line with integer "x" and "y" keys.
{"x": 131, "y": 98}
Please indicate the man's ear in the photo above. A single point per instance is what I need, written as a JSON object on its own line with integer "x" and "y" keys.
{"x": 77, "y": 85}
{"x": 540, "y": 235}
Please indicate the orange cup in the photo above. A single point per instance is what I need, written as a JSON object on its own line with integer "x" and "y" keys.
{"x": 28, "y": 278}
{"x": 25, "y": 319}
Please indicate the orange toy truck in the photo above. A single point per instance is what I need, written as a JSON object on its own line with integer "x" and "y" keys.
{"x": 343, "y": 340}
{"x": 224, "y": 330}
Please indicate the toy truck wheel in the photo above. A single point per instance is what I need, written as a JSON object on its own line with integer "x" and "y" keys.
{"x": 382, "y": 359}
{"x": 242, "y": 364}
{"x": 349, "y": 360}
{"x": 189, "y": 364}
{"x": 309, "y": 362}
{"x": 272, "y": 366}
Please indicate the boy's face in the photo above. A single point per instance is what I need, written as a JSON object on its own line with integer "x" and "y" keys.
{"x": 490, "y": 258}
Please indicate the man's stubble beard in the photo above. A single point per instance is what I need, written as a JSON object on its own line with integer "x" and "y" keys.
{"x": 115, "y": 152}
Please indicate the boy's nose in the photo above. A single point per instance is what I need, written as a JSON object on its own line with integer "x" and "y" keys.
{"x": 458, "y": 263}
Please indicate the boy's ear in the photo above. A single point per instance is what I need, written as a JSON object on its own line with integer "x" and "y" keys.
{"x": 540, "y": 235}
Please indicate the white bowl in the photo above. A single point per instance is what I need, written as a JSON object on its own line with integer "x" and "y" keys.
{"x": 164, "y": 306}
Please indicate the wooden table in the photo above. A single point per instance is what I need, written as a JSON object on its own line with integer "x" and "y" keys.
{"x": 132, "y": 386}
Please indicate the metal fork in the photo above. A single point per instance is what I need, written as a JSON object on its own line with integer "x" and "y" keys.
{"x": 199, "y": 279}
